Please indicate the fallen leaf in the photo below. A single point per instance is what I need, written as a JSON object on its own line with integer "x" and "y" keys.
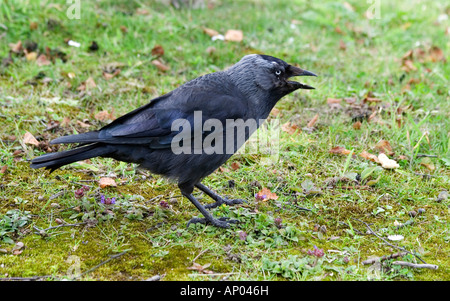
{"x": 313, "y": 121}
{"x": 339, "y": 150}
{"x": 210, "y": 32}
{"x": 87, "y": 84}
{"x": 368, "y": 156}
{"x": 158, "y": 51}
{"x": 160, "y": 65}
{"x": 42, "y": 60}
{"x": 83, "y": 124}
{"x": 3, "y": 169}
{"x": 201, "y": 268}
{"x": 275, "y": 112}
{"x": 17, "y": 47}
{"x": 427, "y": 163}
{"x": 265, "y": 194}
{"x": 104, "y": 115}
{"x": 386, "y": 162}
{"x": 106, "y": 181}
{"x": 436, "y": 54}
{"x": 289, "y": 128}
{"x": 384, "y": 146}
{"x": 357, "y": 125}
{"x": 108, "y": 76}
{"x": 18, "y": 248}
{"x": 235, "y": 165}
{"x": 333, "y": 100}
{"x": 342, "y": 45}
{"x": 408, "y": 66}
{"x": 233, "y": 35}
{"x": 28, "y": 138}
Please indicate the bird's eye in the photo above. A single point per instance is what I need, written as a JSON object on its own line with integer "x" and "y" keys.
{"x": 278, "y": 72}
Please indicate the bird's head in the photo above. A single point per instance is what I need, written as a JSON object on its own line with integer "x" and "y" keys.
{"x": 269, "y": 74}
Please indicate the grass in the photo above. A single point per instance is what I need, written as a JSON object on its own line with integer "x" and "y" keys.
{"x": 356, "y": 58}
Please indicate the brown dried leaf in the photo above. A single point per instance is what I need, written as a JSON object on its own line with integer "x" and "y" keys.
{"x": 108, "y": 76}
{"x": 83, "y": 124}
{"x": 17, "y": 47}
{"x": 436, "y": 54}
{"x": 368, "y": 156}
{"x": 313, "y": 121}
{"x": 158, "y": 51}
{"x": 339, "y": 150}
{"x": 28, "y": 138}
{"x": 235, "y": 165}
{"x": 265, "y": 194}
{"x": 160, "y": 65}
{"x": 210, "y": 32}
{"x": 87, "y": 84}
{"x": 275, "y": 112}
{"x": 342, "y": 45}
{"x": 200, "y": 268}
{"x": 104, "y": 115}
{"x": 408, "y": 66}
{"x": 383, "y": 146}
{"x": 357, "y": 125}
{"x": 289, "y": 128}
{"x": 3, "y": 169}
{"x": 42, "y": 60}
{"x": 106, "y": 181}
{"x": 233, "y": 35}
{"x": 333, "y": 100}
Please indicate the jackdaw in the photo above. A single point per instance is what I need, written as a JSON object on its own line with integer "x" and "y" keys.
{"x": 188, "y": 133}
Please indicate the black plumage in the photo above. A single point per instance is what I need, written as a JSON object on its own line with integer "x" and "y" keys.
{"x": 150, "y": 134}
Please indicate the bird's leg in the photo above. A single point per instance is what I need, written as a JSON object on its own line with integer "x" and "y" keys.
{"x": 208, "y": 218}
{"x": 219, "y": 200}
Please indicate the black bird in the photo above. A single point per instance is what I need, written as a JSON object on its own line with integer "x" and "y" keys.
{"x": 169, "y": 135}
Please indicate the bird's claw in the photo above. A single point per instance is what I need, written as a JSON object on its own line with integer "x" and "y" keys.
{"x": 222, "y": 222}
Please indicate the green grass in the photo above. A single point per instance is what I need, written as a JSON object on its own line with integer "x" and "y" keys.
{"x": 412, "y": 115}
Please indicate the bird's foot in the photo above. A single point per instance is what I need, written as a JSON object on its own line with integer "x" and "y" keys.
{"x": 225, "y": 201}
{"x": 223, "y": 222}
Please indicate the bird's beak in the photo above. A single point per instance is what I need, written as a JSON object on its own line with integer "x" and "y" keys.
{"x": 295, "y": 71}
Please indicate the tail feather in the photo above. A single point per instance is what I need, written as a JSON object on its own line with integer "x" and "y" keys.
{"x": 54, "y": 161}
{"x": 89, "y": 137}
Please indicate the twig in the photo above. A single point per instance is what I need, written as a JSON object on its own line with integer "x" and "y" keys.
{"x": 200, "y": 254}
{"x": 382, "y": 258}
{"x": 416, "y": 265}
{"x": 111, "y": 257}
{"x": 426, "y": 155}
{"x": 41, "y": 231}
{"x": 359, "y": 232}
{"x": 33, "y": 278}
{"x": 156, "y": 197}
{"x": 388, "y": 243}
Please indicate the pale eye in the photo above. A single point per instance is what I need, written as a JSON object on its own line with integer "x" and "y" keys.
{"x": 278, "y": 72}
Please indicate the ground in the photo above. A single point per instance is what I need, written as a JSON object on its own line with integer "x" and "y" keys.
{"x": 317, "y": 210}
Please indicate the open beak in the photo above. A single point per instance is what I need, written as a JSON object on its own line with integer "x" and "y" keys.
{"x": 295, "y": 71}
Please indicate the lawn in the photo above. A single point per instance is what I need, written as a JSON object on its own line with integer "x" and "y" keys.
{"x": 323, "y": 208}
